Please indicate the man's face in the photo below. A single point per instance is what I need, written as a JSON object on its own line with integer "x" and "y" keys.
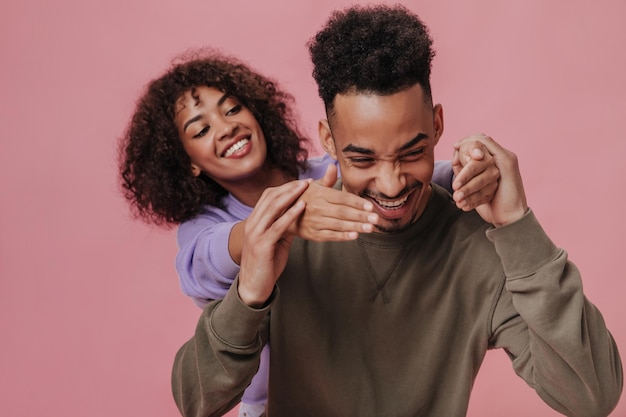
{"x": 385, "y": 149}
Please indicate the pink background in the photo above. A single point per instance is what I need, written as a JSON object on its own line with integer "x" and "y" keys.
{"x": 90, "y": 309}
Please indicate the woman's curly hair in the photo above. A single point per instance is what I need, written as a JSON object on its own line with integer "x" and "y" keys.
{"x": 155, "y": 170}
{"x": 379, "y": 49}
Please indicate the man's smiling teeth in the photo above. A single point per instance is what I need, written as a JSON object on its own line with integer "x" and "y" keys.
{"x": 392, "y": 205}
{"x": 236, "y": 147}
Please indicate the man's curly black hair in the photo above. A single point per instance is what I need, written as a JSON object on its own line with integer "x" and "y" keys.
{"x": 155, "y": 170}
{"x": 373, "y": 49}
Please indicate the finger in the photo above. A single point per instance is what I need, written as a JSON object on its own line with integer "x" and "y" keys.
{"x": 319, "y": 197}
{"x": 477, "y": 153}
{"x": 470, "y": 171}
{"x": 319, "y": 224}
{"x": 273, "y": 203}
{"x": 456, "y": 159}
{"x": 333, "y": 236}
{"x": 470, "y": 141}
{"x": 475, "y": 199}
{"x": 469, "y": 148}
{"x": 493, "y": 147}
{"x": 486, "y": 180}
{"x": 281, "y": 224}
{"x": 338, "y": 217}
{"x": 505, "y": 159}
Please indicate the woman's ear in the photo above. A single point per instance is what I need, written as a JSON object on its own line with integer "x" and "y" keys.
{"x": 326, "y": 138}
{"x": 195, "y": 170}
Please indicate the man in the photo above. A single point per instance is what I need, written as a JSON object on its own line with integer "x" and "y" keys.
{"x": 397, "y": 322}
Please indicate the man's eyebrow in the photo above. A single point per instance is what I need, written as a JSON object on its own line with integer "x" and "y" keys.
{"x": 356, "y": 149}
{"x": 190, "y": 121}
{"x": 420, "y": 137}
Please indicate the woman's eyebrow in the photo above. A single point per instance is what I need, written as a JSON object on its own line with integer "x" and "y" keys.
{"x": 198, "y": 117}
{"x": 223, "y": 99}
{"x": 190, "y": 121}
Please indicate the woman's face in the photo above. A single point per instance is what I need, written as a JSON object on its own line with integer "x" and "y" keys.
{"x": 220, "y": 135}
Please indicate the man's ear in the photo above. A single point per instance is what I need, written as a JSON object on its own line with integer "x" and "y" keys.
{"x": 326, "y": 138}
{"x": 195, "y": 170}
{"x": 438, "y": 121}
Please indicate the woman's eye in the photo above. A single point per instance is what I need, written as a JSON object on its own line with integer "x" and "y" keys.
{"x": 201, "y": 133}
{"x": 234, "y": 110}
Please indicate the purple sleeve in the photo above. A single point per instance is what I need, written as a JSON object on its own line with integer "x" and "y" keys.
{"x": 204, "y": 265}
{"x": 316, "y": 167}
{"x": 443, "y": 175}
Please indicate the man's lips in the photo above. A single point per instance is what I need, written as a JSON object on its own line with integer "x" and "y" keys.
{"x": 393, "y": 208}
{"x": 391, "y": 204}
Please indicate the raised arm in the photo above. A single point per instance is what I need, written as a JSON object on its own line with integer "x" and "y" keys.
{"x": 556, "y": 338}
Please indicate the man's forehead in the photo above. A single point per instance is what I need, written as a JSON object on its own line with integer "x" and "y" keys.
{"x": 353, "y": 106}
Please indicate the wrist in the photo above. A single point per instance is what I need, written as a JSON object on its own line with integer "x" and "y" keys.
{"x": 511, "y": 217}
{"x": 251, "y": 298}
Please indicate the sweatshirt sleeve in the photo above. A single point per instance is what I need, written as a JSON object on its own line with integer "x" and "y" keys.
{"x": 203, "y": 263}
{"x": 557, "y": 339}
{"x": 212, "y": 370}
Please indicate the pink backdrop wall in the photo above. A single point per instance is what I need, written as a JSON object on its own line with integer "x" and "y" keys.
{"x": 90, "y": 309}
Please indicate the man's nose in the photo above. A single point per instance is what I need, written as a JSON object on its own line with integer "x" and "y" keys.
{"x": 390, "y": 180}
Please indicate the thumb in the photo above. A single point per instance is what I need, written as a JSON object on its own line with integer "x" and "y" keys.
{"x": 330, "y": 176}
{"x": 477, "y": 154}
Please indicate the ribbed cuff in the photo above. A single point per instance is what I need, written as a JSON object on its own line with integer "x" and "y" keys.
{"x": 523, "y": 246}
{"x": 236, "y": 323}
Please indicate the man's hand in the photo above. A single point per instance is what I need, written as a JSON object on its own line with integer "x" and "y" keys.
{"x": 333, "y": 215}
{"x": 509, "y": 201}
{"x": 476, "y": 174}
{"x": 266, "y": 241}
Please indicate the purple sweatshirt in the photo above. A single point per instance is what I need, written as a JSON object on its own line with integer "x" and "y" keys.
{"x": 206, "y": 270}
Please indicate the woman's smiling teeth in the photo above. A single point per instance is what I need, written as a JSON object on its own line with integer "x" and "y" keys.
{"x": 235, "y": 147}
{"x": 392, "y": 205}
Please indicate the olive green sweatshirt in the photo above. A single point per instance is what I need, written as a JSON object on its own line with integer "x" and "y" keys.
{"x": 398, "y": 325}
